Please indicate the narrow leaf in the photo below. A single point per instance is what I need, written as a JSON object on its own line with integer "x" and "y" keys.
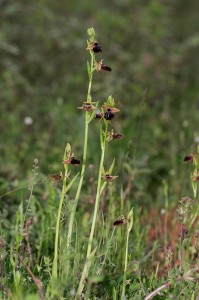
{"x": 85, "y": 273}
{"x": 103, "y": 187}
{"x": 92, "y": 253}
{"x": 91, "y": 117}
{"x": 71, "y": 183}
{"x": 130, "y": 220}
{"x": 111, "y": 167}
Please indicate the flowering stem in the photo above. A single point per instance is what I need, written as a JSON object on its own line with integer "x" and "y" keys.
{"x": 73, "y": 211}
{"x": 90, "y": 253}
{"x": 97, "y": 200}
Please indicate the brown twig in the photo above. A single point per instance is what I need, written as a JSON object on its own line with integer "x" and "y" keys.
{"x": 36, "y": 280}
{"x": 165, "y": 285}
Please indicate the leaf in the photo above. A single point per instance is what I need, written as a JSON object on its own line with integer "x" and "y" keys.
{"x": 92, "y": 254}
{"x": 111, "y": 167}
{"x": 103, "y": 187}
{"x": 194, "y": 187}
{"x": 91, "y": 117}
{"x": 130, "y": 220}
{"x": 71, "y": 183}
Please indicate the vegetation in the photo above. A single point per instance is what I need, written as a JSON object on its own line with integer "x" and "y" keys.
{"x": 115, "y": 215}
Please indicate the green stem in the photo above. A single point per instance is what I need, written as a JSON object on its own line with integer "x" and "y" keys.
{"x": 72, "y": 214}
{"x": 74, "y": 208}
{"x": 54, "y": 268}
{"x": 125, "y": 267}
{"x": 90, "y": 254}
{"x": 97, "y": 200}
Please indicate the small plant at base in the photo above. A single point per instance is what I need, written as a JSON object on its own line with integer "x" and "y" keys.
{"x": 65, "y": 188}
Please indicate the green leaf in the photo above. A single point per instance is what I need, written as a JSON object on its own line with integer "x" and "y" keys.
{"x": 92, "y": 254}
{"x": 85, "y": 273}
{"x": 130, "y": 220}
{"x": 111, "y": 167}
{"x": 103, "y": 187}
{"x": 92, "y": 115}
{"x": 71, "y": 183}
{"x": 194, "y": 187}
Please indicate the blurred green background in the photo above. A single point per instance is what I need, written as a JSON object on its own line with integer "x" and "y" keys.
{"x": 152, "y": 47}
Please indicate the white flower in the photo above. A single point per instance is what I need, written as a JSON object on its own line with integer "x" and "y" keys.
{"x": 28, "y": 121}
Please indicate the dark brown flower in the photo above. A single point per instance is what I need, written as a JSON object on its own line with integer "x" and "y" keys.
{"x": 72, "y": 161}
{"x": 96, "y": 47}
{"x": 98, "y": 116}
{"x": 110, "y": 111}
{"x": 56, "y": 177}
{"x": 121, "y": 221}
{"x": 108, "y": 115}
{"x": 101, "y": 66}
{"x": 190, "y": 157}
{"x": 195, "y": 177}
{"x": 106, "y": 68}
{"x": 109, "y": 178}
{"x": 113, "y": 136}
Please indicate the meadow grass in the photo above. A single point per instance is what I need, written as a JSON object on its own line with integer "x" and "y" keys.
{"x": 103, "y": 249}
